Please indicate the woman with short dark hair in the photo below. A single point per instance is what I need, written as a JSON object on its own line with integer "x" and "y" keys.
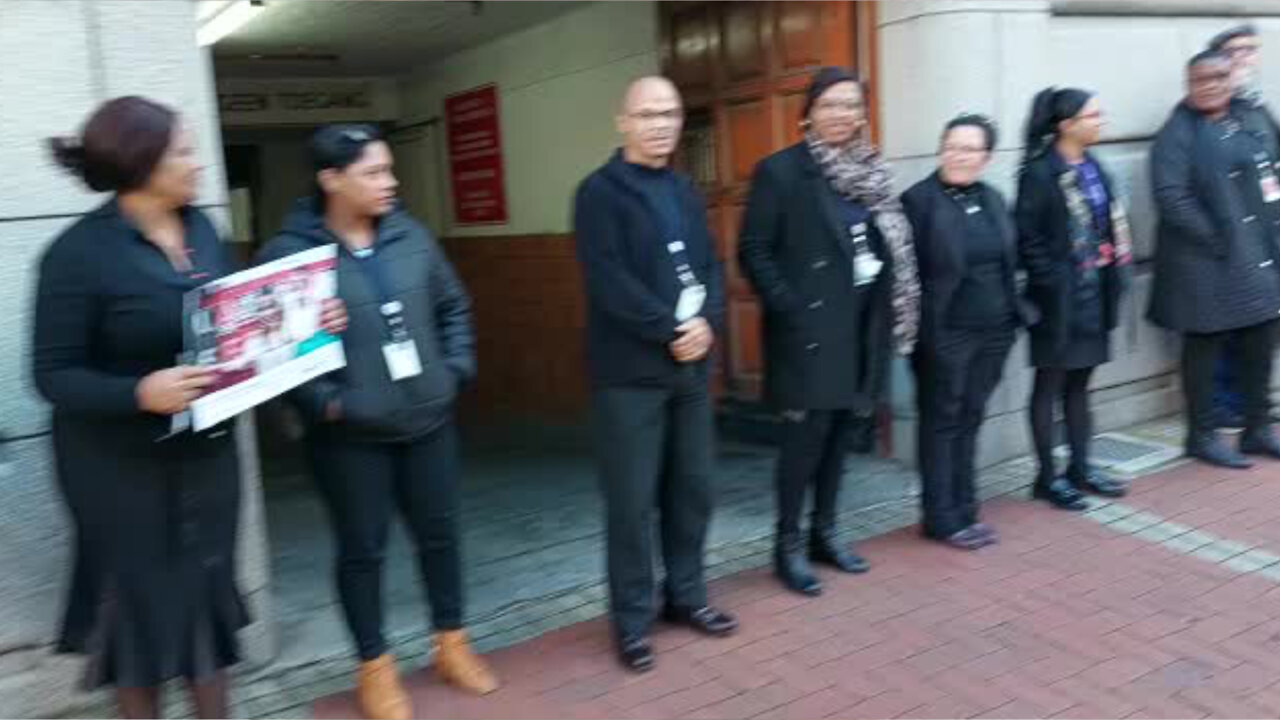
{"x": 827, "y": 247}
{"x": 381, "y": 432}
{"x": 1073, "y": 240}
{"x": 966, "y": 247}
{"x": 154, "y": 595}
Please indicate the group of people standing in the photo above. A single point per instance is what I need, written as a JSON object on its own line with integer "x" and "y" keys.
{"x": 847, "y": 270}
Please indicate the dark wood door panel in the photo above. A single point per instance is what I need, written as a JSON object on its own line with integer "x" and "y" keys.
{"x": 744, "y": 25}
{"x": 742, "y": 67}
{"x": 801, "y": 38}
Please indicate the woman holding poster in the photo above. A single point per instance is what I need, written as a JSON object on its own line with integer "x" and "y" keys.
{"x": 153, "y": 597}
{"x": 381, "y": 432}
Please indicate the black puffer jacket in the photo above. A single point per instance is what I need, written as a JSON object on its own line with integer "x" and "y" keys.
{"x": 437, "y": 315}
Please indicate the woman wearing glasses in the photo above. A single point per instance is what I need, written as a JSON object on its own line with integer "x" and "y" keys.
{"x": 1073, "y": 240}
{"x": 826, "y": 245}
{"x": 966, "y": 246}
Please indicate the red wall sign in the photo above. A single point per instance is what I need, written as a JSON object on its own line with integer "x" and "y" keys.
{"x": 475, "y": 157}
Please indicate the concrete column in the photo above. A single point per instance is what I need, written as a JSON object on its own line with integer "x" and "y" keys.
{"x": 60, "y": 60}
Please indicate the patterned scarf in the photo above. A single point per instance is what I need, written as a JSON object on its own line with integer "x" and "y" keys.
{"x": 858, "y": 173}
{"x": 1115, "y": 250}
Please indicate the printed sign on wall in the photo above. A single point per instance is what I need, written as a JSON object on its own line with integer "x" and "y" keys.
{"x": 475, "y": 157}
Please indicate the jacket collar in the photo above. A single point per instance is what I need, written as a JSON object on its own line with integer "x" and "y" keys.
{"x": 827, "y": 197}
{"x": 307, "y": 222}
{"x": 110, "y": 213}
{"x": 990, "y": 203}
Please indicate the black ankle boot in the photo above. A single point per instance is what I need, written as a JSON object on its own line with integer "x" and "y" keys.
{"x": 791, "y": 567}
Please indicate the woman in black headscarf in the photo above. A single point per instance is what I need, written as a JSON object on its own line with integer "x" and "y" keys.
{"x": 1073, "y": 240}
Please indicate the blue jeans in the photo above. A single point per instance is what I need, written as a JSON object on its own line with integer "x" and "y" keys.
{"x": 1226, "y": 397}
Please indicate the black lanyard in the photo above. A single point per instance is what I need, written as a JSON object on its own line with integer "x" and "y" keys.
{"x": 369, "y": 260}
{"x": 680, "y": 257}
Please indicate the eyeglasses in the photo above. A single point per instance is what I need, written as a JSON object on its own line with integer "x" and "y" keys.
{"x": 830, "y": 106}
{"x": 1241, "y": 50}
{"x": 1218, "y": 78}
{"x": 963, "y": 149}
{"x": 652, "y": 116}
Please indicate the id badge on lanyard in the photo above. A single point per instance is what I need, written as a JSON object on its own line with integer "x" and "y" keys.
{"x": 866, "y": 266}
{"x": 1267, "y": 179}
{"x": 693, "y": 294}
{"x": 400, "y": 351}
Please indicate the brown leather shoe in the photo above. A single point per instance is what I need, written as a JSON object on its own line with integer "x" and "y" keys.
{"x": 379, "y": 692}
{"x": 459, "y": 665}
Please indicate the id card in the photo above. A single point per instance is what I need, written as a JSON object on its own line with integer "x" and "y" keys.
{"x": 402, "y": 360}
{"x": 1270, "y": 184}
{"x": 866, "y": 268}
{"x": 690, "y": 303}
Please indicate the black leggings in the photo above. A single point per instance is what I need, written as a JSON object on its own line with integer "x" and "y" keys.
{"x": 1072, "y": 386}
{"x": 362, "y": 484}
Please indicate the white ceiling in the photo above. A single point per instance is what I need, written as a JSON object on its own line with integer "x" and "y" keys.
{"x": 300, "y": 38}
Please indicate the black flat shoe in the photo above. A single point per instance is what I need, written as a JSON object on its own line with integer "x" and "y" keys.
{"x": 967, "y": 539}
{"x": 824, "y": 548}
{"x": 1061, "y": 495}
{"x": 636, "y": 654}
{"x": 988, "y": 532}
{"x": 1261, "y": 441}
{"x": 1212, "y": 449}
{"x": 706, "y": 620}
{"x": 1099, "y": 484}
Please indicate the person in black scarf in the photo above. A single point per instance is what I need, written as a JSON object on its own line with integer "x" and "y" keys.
{"x": 967, "y": 250}
{"x": 1073, "y": 240}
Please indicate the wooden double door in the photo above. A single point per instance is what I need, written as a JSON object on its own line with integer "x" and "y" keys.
{"x": 742, "y": 68}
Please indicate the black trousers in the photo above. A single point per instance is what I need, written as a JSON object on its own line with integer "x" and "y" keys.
{"x": 954, "y": 380}
{"x": 363, "y": 483}
{"x": 655, "y": 452}
{"x": 1200, "y": 354}
{"x": 1072, "y": 388}
{"x": 814, "y": 443}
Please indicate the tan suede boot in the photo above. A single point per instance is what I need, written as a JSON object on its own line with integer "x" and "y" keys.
{"x": 460, "y": 666}
{"x": 379, "y": 692}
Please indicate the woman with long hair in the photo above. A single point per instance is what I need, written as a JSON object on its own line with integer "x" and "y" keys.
{"x": 1073, "y": 241}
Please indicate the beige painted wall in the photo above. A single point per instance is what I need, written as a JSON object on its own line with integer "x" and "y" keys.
{"x": 558, "y": 86}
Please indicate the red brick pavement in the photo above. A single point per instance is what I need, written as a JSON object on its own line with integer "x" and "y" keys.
{"x": 1065, "y": 618}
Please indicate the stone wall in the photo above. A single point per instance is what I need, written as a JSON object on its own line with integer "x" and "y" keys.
{"x": 941, "y": 57}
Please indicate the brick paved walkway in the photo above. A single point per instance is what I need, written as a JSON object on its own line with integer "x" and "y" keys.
{"x": 1099, "y": 615}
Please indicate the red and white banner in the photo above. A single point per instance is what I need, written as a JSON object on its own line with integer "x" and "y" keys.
{"x": 260, "y": 333}
{"x": 475, "y": 157}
